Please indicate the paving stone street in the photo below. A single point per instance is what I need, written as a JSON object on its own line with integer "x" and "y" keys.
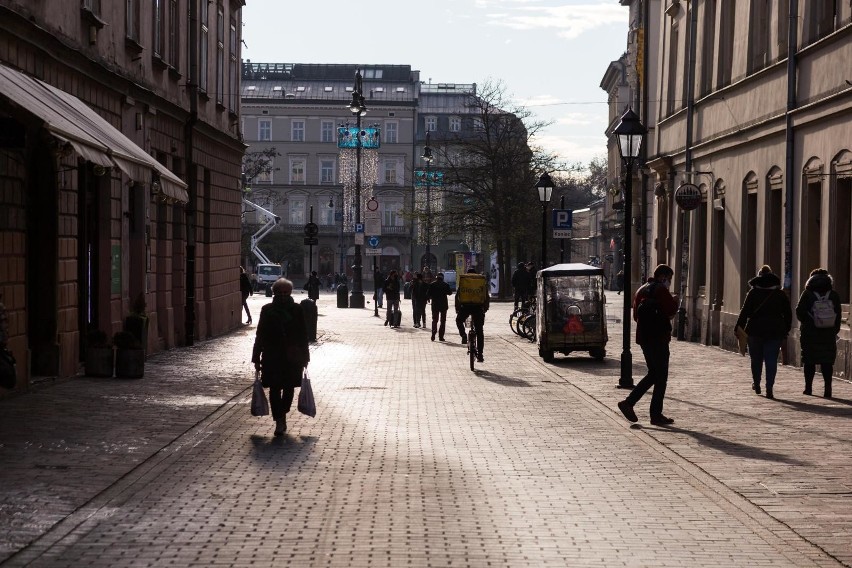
{"x": 414, "y": 460}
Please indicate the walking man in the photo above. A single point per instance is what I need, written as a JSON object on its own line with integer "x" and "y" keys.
{"x": 391, "y": 288}
{"x": 520, "y": 283}
{"x": 419, "y": 292}
{"x": 653, "y": 308}
{"x": 438, "y": 292}
{"x": 379, "y": 282}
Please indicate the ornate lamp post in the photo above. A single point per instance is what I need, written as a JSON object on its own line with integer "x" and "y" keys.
{"x": 358, "y": 107}
{"x": 545, "y": 192}
{"x": 630, "y": 133}
{"x": 428, "y": 158}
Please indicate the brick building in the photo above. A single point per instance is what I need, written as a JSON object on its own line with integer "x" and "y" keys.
{"x": 119, "y": 173}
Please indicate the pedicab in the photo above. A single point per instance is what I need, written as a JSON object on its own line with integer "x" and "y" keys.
{"x": 571, "y": 314}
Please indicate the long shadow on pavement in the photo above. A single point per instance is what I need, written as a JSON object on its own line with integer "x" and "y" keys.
{"x": 501, "y": 379}
{"x": 272, "y": 451}
{"x": 735, "y": 448}
{"x": 840, "y": 411}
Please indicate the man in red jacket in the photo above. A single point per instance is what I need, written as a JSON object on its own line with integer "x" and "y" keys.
{"x": 653, "y": 337}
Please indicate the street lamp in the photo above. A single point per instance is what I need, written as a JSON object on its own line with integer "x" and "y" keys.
{"x": 545, "y": 192}
{"x": 629, "y": 134}
{"x": 358, "y": 107}
{"x": 428, "y": 158}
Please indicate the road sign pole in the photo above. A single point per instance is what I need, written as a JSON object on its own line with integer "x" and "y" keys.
{"x": 311, "y": 247}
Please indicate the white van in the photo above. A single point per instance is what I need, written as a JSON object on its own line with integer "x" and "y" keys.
{"x": 450, "y": 278}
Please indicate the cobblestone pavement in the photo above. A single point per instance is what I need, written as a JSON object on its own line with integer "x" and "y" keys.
{"x": 414, "y": 460}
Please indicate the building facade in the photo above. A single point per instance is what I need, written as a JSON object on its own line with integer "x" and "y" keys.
{"x": 120, "y": 168}
{"x": 757, "y": 114}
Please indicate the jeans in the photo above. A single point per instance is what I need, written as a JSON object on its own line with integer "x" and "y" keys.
{"x": 762, "y": 351}
{"x": 478, "y": 318}
{"x": 280, "y": 401}
{"x": 393, "y": 306}
{"x": 379, "y": 297}
{"x": 438, "y": 316}
{"x": 657, "y": 359}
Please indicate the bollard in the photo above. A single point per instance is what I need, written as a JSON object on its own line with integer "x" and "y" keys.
{"x": 342, "y": 296}
{"x": 309, "y": 308}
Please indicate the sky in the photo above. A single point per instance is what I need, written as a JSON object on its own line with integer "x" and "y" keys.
{"x": 550, "y": 55}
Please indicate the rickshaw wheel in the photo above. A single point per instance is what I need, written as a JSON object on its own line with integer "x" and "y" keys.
{"x": 598, "y": 353}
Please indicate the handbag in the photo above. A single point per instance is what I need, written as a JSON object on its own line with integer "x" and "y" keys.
{"x": 259, "y": 404}
{"x": 306, "y": 404}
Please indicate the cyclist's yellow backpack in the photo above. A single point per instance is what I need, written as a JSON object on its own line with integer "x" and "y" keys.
{"x": 471, "y": 288}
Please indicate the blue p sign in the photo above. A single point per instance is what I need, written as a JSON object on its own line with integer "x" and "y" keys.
{"x": 562, "y": 218}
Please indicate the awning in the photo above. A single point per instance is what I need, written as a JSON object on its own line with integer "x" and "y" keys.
{"x": 71, "y": 121}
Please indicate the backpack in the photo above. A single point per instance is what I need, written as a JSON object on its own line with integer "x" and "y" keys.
{"x": 823, "y": 312}
{"x": 650, "y": 316}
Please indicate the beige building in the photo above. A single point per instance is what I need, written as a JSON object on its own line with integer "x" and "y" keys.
{"x": 758, "y": 116}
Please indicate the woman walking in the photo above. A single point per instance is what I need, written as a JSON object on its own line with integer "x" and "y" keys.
{"x": 246, "y": 290}
{"x": 766, "y": 317}
{"x": 281, "y": 351}
{"x": 819, "y": 312}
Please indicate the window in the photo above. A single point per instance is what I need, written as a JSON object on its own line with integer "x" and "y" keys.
{"x": 373, "y": 73}
{"x": 708, "y": 49}
{"x": 391, "y": 177}
{"x": 326, "y": 171}
{"x": 327, "y": 131}
{"x": 727, "y": 12}
{"x": 297, "y": 210}
{"x": 233, "y": 74}
{"x": 297, "y": 170}
{"x": 674, "y": 38}
{"x": 783, "y": 27}
{"x": 265, "y": 171}
{"x": 758, "y": 35}
{"x": 478, "y": 124}
{"x": 326, "y": 216}
{"x": 297, "y": 131}
{"x": 173, "y": 51}
{"x": 431, "y": 123}
{"x": 820, "y": 17}
{"x": 159, "y": 17}
{"x": 455, "y": 124}
{"x": 203, "y": 48}
{"x": 264, "y": 130}
{"x": 131, "y": 20}
{"x": 390, "y": 132}
{"x": 93, "y": 6}
{"x": 392, "y": 212}
{"x": 220, "y": 55}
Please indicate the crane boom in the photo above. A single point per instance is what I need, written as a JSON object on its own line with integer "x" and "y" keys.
{"x": 271, "y": 221}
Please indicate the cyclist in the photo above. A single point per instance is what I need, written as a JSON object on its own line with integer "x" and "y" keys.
{"x": 473, "y": 302}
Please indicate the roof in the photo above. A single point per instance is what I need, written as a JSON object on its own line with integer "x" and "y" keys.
{"x": 570, "y": 269}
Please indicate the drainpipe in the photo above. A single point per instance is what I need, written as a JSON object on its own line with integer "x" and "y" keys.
{"x": 792, "y": 42}
{"x": 646, "y": 22}
{"x": 687, "y": 216}
{"x": 192, "y": 177}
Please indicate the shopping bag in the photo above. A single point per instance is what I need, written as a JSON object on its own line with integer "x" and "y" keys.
{"x": 306, "y": 397}
{"x": 742, "y": 339}
{"x": 259, "y": 404}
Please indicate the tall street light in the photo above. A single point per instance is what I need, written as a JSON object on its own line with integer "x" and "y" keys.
{"x": 358, "y": 107}
{"x": 629, "y": 133}
{"x": 545, "y": 192}
{"x": 428, "y": 158}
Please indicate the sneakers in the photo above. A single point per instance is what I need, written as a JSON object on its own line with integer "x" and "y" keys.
{"x": 280, "y": 427}
{"x": 661, "y": 420}
{"x": 769, "y": 393}
{"x": 480, "y": 358}
{"x": 627, "y": 410}
{"x": 464, "y": 340}
{"x": 441, "y": 339}
{"x": 386, "y": 323}
{"x": 433, "y": 337}
{"x": 755, "y": 387}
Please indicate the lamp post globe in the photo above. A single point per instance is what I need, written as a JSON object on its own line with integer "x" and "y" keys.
{"x": 545, "y": 192}
{"x": 630, "y": 133}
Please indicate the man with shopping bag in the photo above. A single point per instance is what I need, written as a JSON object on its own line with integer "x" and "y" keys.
{"x": 281, "y": 351}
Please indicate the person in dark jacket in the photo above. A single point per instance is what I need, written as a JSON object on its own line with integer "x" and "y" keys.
{"x": 419, "y": 292}
{"x": 655, "y": 347}
{"x": 476, "y": 312}
{"x": 312, "y": 286}
{"x": 378, "y": 283}
{"x": 766, "y": 318}
{"x": 392, "y": 286}
{"x": 520, "y": 283}
{"x": 819, "y": 344}
{"x": 246, "y": 290}
{"x": 437, "y": 294}
{"x": 281, "y": 351}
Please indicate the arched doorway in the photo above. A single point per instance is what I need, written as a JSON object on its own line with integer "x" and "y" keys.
{"x": 429, "y": 260}
{"x": 326, "y": 261}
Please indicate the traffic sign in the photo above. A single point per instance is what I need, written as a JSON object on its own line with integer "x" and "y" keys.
{"x": 359, "y": 228}
{"x": 311, "y": 229}
{"x": 373, "y": 252}
{"x": 372, "y": 205}
{"x": 562, "y": 219}
{"x": 373, "y": 242}
{"x": 359, "y": 238}
{"x": 373, "y": 226}
{"x": 311, "y": 240}
{"x": 561, "y": 233}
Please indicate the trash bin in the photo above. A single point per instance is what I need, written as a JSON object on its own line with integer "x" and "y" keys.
{"x": 342, "y": 296}
{"x": 309, "y": 308}
{"x": 406, "y": 291}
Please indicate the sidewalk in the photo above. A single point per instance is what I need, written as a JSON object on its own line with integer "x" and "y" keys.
{"x": 415, "y": 460}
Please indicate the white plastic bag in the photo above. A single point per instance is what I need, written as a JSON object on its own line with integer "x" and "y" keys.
{"x": 306, "y": 397}
{"x": 259, "y": 404}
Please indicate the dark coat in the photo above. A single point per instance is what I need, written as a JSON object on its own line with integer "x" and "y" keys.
{"x": 281, "y": 344}
{"x": 391, "y": 287}
{"x": 819, "y": 345}
{"x": 312, "y": 287}
{"x": 437, "y": 293}
{"x": 520, "y": 280}
{"x": 766, "y": 310}
{"x": 245, "y": 286}
{"x": 667, "y": 305}
{"x": 419, "y": 290}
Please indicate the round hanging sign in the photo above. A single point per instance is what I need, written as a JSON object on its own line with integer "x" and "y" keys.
{"x": 688, "y": 196}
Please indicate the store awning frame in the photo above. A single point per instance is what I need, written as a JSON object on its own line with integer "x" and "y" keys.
{"x": 71, "y": 121}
